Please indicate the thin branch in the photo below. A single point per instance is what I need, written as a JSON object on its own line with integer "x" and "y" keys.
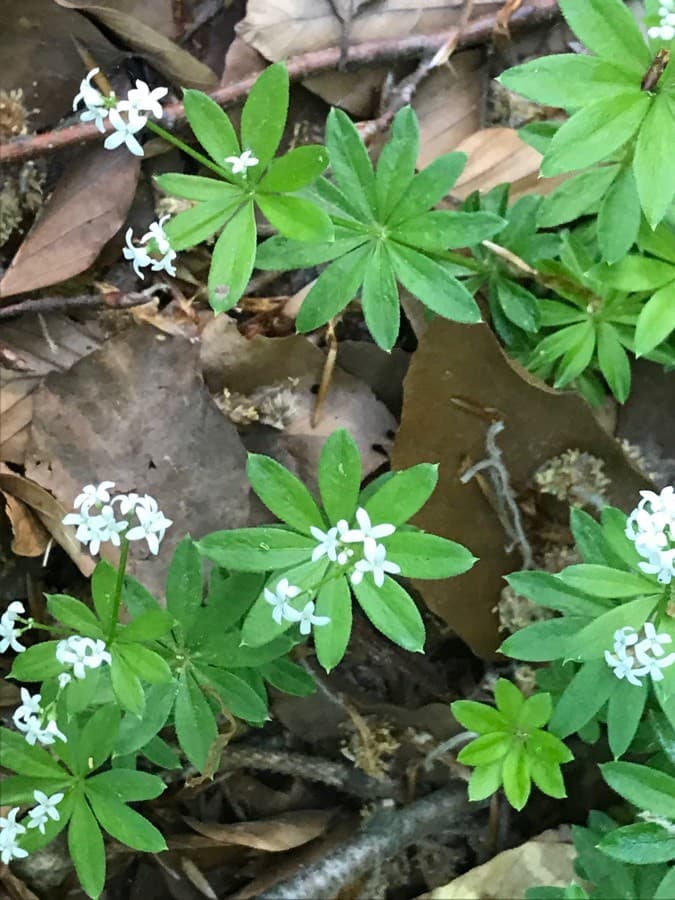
{"x": 111, "y": 299}
{"x": 367, "y": 53}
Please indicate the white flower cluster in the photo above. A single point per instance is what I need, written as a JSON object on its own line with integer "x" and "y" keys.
{"x": 651, "y": 527}
{"x": 241, "y": 163}
{"x": 97, "y": 520}
{"x": 10, "y": 829}
{"x": 332, "y": 544}
{"x": 127, "y": 117}
{"x": 9, "y": 633}
{"x": 153, "y": 241}
{"x": 283, "y": 611}
{"x": 635, "y": 657}
{"x": 28, "y": 718}
{"x": 665, "y": 31}
{"x": 81, "y": 653}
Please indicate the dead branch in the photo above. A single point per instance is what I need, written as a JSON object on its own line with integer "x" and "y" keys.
{"x": 368, "y": 53}
{"x": 389, "y": 832}
{"x": 112, "y": 300}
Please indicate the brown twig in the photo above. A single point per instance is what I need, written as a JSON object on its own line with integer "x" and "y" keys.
{"x": 480, "y": 29}
{"x": 327, "y": 374}
{"x": 85, "y": 301}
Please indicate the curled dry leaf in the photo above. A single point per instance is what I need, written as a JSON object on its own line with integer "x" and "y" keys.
{"x": 284, "y": 832}
{"x": 30, "y": 537}
{"x": 88, "y": 206}
{"x": 177, "y": 64}
{"x": 459, "y": 380}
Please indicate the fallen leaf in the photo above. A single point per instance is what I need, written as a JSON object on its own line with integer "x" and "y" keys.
{"x": 509, "y": 874}
{"x": 16, "y": 411}
{"x": 177, "y": 64}
{"x": 457, "y": 369}
{"x": 136, "y": 412}
{"x": 292, "y": 829}
{"x": 30, "y": 537}
{"x": 89, "y": 205}
{"x": 357, "y": 92}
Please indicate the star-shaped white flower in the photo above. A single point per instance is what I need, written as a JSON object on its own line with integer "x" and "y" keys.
{"x": 375, "y": 561}
{"x": 10, "y": 829}
{"x": 30, "y": 706}
{"x": 50, "y": 732}
{"x": 157, "y": 234}
{"x": 306, "y": 618}
{"x": 328, "y": 543}
{"x": 45, "y": 810}
{"x": 279, "y": 597}
{"x": 9, "y": 634}
{"x": 662, "y": 564}
{"x": 125, "y": 131}
{"x": 622, "y": 667}
{"x": 142, "y": 99}
{"x": 652, "y": 643}
{"x": 138, "y": 256}
{"x": 13, "y": 611}
{"x": 94, "y": 494}
{"x": 152, "y": 523}
{"x": 624, "y": 637}
{"x": 82, "y": 653}
{"x": 367, "y": 533}
{"x": 241, "y": 163}
{"x": 94, "y": 102}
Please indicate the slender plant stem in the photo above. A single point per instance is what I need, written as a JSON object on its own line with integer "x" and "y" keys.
{"x": 124, "y": 553}
{"x": 186, "y": 148}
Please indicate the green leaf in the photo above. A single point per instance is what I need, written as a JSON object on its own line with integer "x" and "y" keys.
{"x": 393, "y": 612}
{"x": 555, "y": 313}
{"x": 136, "y": 598}
{"x": 232, "y": 595}
{"x": 18, "y": 756}
{"x": 350, "y": 162}
{"x": 36, "y": 663}
{"x": 428, "y": 187}
{"x": 203, "y": 220}
{"x": 295, "y": 169}
{"x": 583, "y": 697}
{"x": 519, "y": 305}
{"x": 149, "y": 626}
{"x": 17, "y": 790}
{"x": 295, "y": 218}
{"x": 619, "y": 217}
{"x": 126, "y": 785}
{"x": 283, "y": 494}
{"x": 637, "y": 273}
{"x": 80, "y": 693}
{"x": 643, "y": 786}
{"x": 538, "y": 134}
{"x": 577, "y": 196}
{"x": 124, "y": 824}
{"x": 264, "y": 114}
{"x": 340, "y": 475}
{"x": 148, "y": 665}
{"x": 666, "y": 888}
{"x": 97, "y": 738}
{"x": 613, "y": 361}
{"x": 568, "y": 80}
{"x": 607, "y": 28}
{"x": 103, "y": 586}
{"x": 136, "y": 731}
{"x": 125, "y": 683}
{"x": 280, "y": 253}
{"x": 195, "y": 723}
{"x": 544, "y": 641}
{"x": 379, "y": 298}
{"x": 237, "y": 695}
{"x": 640, "y": 844}
{"x": 479, "y": 717}
{"x": 509, "y": 699}
{"x": 288, "y": 677}
{"x": 440, "y": 229}
{"x": 256, "y": 549}
{"x": 196, "y": 187}
{"x": 74, "y": 614}
{"x": 396, "y": 165}
{"x": 626, "y": 705}
{"x": 485, "y": 780}
{"x": 578, "y": 357}
{"x": 427, "y": 280}
{"x": 211, "y": 126}
{"x": 548, "y": 778}
{"x": 334, "y": 288}
{"x": 232, "y": 260}
{"x": 558, "y": 344}
{"x": 184, "y": 582}
{"x": 330, "y": 642}
{"x": 656, "y": 321}
{"x": 159, "y": 753}
{"x": 535, "y": 711}
{"x": 545, "y": 589}
{"x": 591, "y": 541}
{"x": 402, "y": 494}
{"x": 594, "y": 639}
{"x": 603, "y": 581}
{"x": 85, "y": 844}
{"x": 544, "y": 747}
{"x": 516, "y": 777}
{"x": 658, "y": 241}
{"x": 654, "y": 176}
{"x": 423, "y": 555}
{"x": 485, "y": 749}
{"x": 595, "y": 132}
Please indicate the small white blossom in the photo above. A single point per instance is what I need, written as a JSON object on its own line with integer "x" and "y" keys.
{"x": 632, "y": 658}
{"x": 64, "y": 679}
{"x": 625, "y": 637}
{"x": 10, "y": 829}
{"x": 141, "y": 99}
{"x": 94, "y": 493}
{"x": 328, "y": 543}
{"x": 95, "y": 110}
{"x": 156, "y": 232}
{"x": 125, "y": 131}
{"x": 241, "y": 163}
{"x": 50, "y": 732}
{"x": 45, "y": 810}
{"x": 306, "y": 618}
{"x": 13, "y": 611}
{"x": 139, "y": 256}
{"x": 623, "y": 667}
{"x": 344, "y": 556}
{"x": 127, "y": 502}
{"x": 152, "y": 523}
{"x": 375, "y": 561}
{"x": 82, "y": 653}
{"x": 9, "y": 635}
{"x": 30, "y": 706}
{"x": 661, "y": 564}
{"x": 651, "y": 527}
{"x": 95, "y": 528}
{"x": 652, "y": 643}
{"x": 279, "y": 597}
{"x": 367, "y": 533}
{"x": 34, "y": 733}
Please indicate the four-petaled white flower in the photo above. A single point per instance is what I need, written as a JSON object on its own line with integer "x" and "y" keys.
{"x": 45, "y": 810}
{"x": 156, "y": 232}
{"x": 152, "y": 523}
{"x": 651, "y": 527}
{"x": 30, "y": 706}
{"x": 637, "y": 654}
{"x": 306, "y": 618}
{"x": 138, "y": 255}
{"x": 94, "y": 102}
{"x": 126, "y": 127}
{"x": 625, "y": 637}
{"x": 328, "y": 543}
{"x": 82, "y": 653}
{"x": 94, "y": 493}
{"x": 9, "y": 633}
{"x": 34, "y": 733}
{"x": 623, "y": 667}
{"x": 374, "y": 561}
{"x": 279, "y": 598}
{"x": 661, "y": 564}
{"x": 97, "y": 527}
{"x": 241, "y": 163}
{"x": 652, "y": 643}
{"x": 367, "y": 533}
{"x": 154, "y": 240}
{"x": 10, "y": 829}
{"x": 141, "y": 99}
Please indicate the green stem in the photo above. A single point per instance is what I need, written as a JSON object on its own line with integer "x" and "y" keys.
{"x": 117, "y": 598}
{"x": 186, "y": 148}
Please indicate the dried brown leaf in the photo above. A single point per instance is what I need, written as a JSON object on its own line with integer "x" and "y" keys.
{"x": 177, "y": 64}
{"x": 30, "y": 537}
{"x": 459, "y": 371}
{"x": 293, "y": 829}
{"x": 88, "y": 206}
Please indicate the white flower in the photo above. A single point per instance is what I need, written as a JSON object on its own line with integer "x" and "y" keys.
{"x": 94, "y": 493}
{"x": 623, "y": 667}
{"x": 13, "y": 611}
{"x": 306, "y": 618}
{"x": 652, "y": 643}
{"x": 653, "y": 667}
{"x": 344, "y": 556}
{"x": 624, "y": 637}
{"x": 10, "y": 829}
{"x": 152, "y": 523}
{"x": 95, "y": 110}
{"x": 279, "y": 598}
{"x": 661, "y": 564}
{"x": 367, "y": 533}
{"x": 34, "y": 732}
{"x": 50, "y": 733}
{"x": 242, "y": 163}
{"x": 328, "y": 543}
{"x": 9, "y": 634}
{"x": 651, "y": 527}
{"x": 45, "y": 810}
{"x": 82, "y": 653}
{"x": 156, "y": 232}
{"x": 64, "y": 679}
{"x": 30, "y": 706}
{"x": 139, "y": 256}
{"x": 142, "y": 99}
{"x": 127, "y": 502}
{"x": 125, "y": 131}
{"x": 376, "y": 562}
{"x": 97, "y": 527}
